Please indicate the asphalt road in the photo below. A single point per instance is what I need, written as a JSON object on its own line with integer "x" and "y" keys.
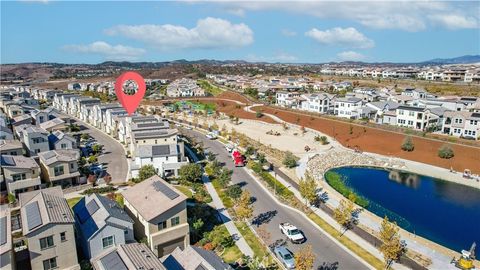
{"x": 113, "y": 157}
{"x": 328, "y": 253}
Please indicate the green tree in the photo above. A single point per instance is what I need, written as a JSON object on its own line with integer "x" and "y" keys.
{"x": 343, "y": 213}
{"x": 190, "y": 173}
{"x": 446, "y": 152}
{"x": 244, "y": 207}
{"x": 85, "y": 136}
{"x": 225, "y": 177}
{"x": 97, "y": 148}
{"x": 304, "y": 258}
{"x": 258, "y": 114}
{"x": 146, "y": 172}
{"x": 234, "y": 192}
{"x": 391, "y": 247}
{"x": 11, "y": 198}
{"x": 289, "y": 160}
{"x": 196, "y": 228}
{"x": 92, "y": 159}
{"x": 407, "y": 144}
{"x": 308, "y": 188}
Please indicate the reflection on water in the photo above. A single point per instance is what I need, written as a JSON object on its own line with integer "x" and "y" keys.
{"x": 444, "y": 212}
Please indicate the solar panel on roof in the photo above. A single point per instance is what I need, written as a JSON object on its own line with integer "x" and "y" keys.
{"x": 160, "y": 150}
{"x": 7, "y": 161}
{"x": 34, "y": 219}
{"x": 84, "y": 213}
{"x": 3, "y": 230}
{"x": 112, "y": 261}
{"x": 159, "y": 186}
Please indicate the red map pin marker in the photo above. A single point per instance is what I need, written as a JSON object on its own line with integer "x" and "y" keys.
{"x": 130, "y": 102}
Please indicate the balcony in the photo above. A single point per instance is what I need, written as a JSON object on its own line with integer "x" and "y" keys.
{"x": 21, "y": 184}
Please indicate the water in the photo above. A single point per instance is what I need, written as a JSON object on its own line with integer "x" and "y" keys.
{"x": 443, "y": 212}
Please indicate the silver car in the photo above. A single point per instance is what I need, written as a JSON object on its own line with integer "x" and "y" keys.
{"x": 285, "y": 256}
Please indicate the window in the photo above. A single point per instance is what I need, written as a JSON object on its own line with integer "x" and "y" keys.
{"x": 175, "y": 221}
{"x": 19, "y": 176}
{"x": 58, "y": 170}
{"x": 162, "y": 225}
{"x": 46, "y": 242}
{"x": 108, "y": 241}
{"x": 63, "y": 146}
{"x": 63, "y": 236}
{"x": 50, "y": 263}
{"x": 410, "y": 113}
{"x": 71, "y": 165}
{"x": 400, "y": 112}
{"x": 125, "y": 231}
{"x": 410, "y": 122}
{"x": 473, "y": 122}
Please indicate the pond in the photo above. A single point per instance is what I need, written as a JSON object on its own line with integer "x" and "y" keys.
{"x": 443, "y": 212}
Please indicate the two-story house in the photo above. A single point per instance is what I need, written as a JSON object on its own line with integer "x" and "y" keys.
{"x": 287, "y": 99}
{"x": 48, "y": 226}
{"x": 54, "y": 124}
{"x": 60, "y": 167}
{"x": 348, "y": 107}
{"x": 35, "y": 140}
{"x": 413, "y": 117}
{"x": 20, "y": 173}
{"x": 462, "y": 124}
{"x": 11, "y": 147}
{"x": 318, "y": 102}
{"x": 164, "y": 226}
{"x": 101, "y": 224}
{"x": 59, "y": 140}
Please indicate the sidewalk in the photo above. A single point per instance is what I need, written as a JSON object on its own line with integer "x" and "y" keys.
{"x": 225, "y": 216}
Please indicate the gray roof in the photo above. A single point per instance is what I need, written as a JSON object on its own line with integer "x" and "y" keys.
{"x": 145, "y": 194}
{"x": 392, "y": 105}
{"x": 50, "y": 157}
{"x": 35, "y": 129}
{"x": 152, "y": 134}
{"x": 143, "y": 118}
{"x": 156, "y": 150}
{"x": 18, "y": 162}
{"x": 411, "y": 108}
{"x": 5, "y": 229}
{"x": 58, "y": 135}
{"x": 52, "y": 123}
{"x": 52, "y": 208}
{"x": 128, "y": 256}
{"x": 193, "y": 258}
{"x": 93, "y": 212}
{"x": 349, "y": 100}
{"x": 440, "y": 111}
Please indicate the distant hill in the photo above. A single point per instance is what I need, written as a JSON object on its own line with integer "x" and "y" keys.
{"x": 466, "y": 59}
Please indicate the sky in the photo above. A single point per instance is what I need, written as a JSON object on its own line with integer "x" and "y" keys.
{"x": 264, "y": 31}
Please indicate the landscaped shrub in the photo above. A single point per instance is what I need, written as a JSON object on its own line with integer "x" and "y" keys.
{"x": 289, "y": 160}
{"x": 407, "y": 144}
{"x": 445, "y": 151}
{"x": 99, "y": 190}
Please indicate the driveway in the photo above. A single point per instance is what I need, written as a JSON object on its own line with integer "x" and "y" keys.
{"x": 327, "y": 252}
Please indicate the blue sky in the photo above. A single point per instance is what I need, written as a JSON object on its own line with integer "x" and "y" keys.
{"x": 297, "y": 32}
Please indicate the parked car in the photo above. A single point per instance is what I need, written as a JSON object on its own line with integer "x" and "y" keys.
{"x": 293, "y": 233}
{"x": 285, "y": 256}
{"x": 229, "y": 147}
{"x": 211, "y": 136}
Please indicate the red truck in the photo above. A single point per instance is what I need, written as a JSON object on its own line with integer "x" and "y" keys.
{"x": 238, "y": 158}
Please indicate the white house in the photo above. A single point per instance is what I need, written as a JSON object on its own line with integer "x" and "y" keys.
{"x": 318, "y": 102}
{"x": 348, "y": 107}
{"x": 462, "y": 124}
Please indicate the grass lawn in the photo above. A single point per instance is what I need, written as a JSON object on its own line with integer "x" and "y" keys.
{"x": 185, "y": 190}
{"x": 258, "y": 249}
{"x": 354, "y": 247}
{"x": 227, "y": 201}
{"x": 72, "y": 201}
{"x": 232, "y": 253}
{"x": 212, "y": 89}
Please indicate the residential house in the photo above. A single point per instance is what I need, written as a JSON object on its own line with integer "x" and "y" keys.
{"x": 59, "y": 140}
{"x": 164, "y": 226}
{"x": 21, "y": 120}
{"x": 287, "y": 99}
{"x": 11, "y": 147}
{"x": 60, "y": 167}
{"x": 417, "y": 93}
{"x": 167, "y": 159}
{"x": 54, "y": 124}
{"x": 14, "y": 110}
{"x": 413, "y": 117}
{"x": 19, "y": 173}
{"x": 193, "y": 258}
{"x": 462, "y": 124}
{"x": 101, "y": 224}
{"x": 35, "y": 139}
{"x": 348, "y": 107}
{"x": 111, "y": 126}
{"x": 133, "y": 256}
{"x": 7, "y": 256}
{"x": 48, "y": 226}
{"x": 382, "y": 107}
{"x": 5, "y": 133}
{"x": 184, "y": 88}
{"x": 39, "y": 116}
{"x": 318, "y": 102}
{"x": 99, "y": 113}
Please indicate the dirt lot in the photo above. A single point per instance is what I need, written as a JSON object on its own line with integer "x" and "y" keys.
{"x": 384, "y": 142}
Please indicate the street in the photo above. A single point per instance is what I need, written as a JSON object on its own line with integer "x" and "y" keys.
{"x": 328, "y": 254}
{"x": 113, "y": 157}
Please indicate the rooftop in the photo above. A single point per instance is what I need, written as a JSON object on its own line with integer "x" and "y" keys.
{"x": 156, "y": 150}
{"x": 6, "y": 145}
{"x": 128, "y": 257}
{"x": 193, "y": 258}
{"x": 8, "y": 161}
{"x": 153, "y": 192}
{"x": 42, "y": 207}
{"x": 53, "y": 156}
{"x": 52, "y": 123}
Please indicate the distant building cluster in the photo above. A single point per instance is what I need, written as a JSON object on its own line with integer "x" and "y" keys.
{"x": 184, "y": 88}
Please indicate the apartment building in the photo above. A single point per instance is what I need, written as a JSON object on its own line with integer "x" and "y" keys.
{"x": 101, "y": 224}
{"x": 133, "y": 256}
{"x": 48, "y": 226}
{"x": 35, "y": 139}
{"x": 164, "y": 226}
{"x": 462, "y": 124}
{"x": 348, "y": 107}
{"x": 19, "y": 173}
{"x": 60, "y": 167}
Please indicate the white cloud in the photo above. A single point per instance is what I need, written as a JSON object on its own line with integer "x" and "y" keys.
{"x": 288, "y": 33}
{"x": 350, "y": 56}
{"x": 209, "y": 33}
{"x": 404, "y": 15}
{"x": 455, "y": 21}
{"x": 348, "y": 37}
{"x": 236, "y": 11}
{"x": 110, "y": 52}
